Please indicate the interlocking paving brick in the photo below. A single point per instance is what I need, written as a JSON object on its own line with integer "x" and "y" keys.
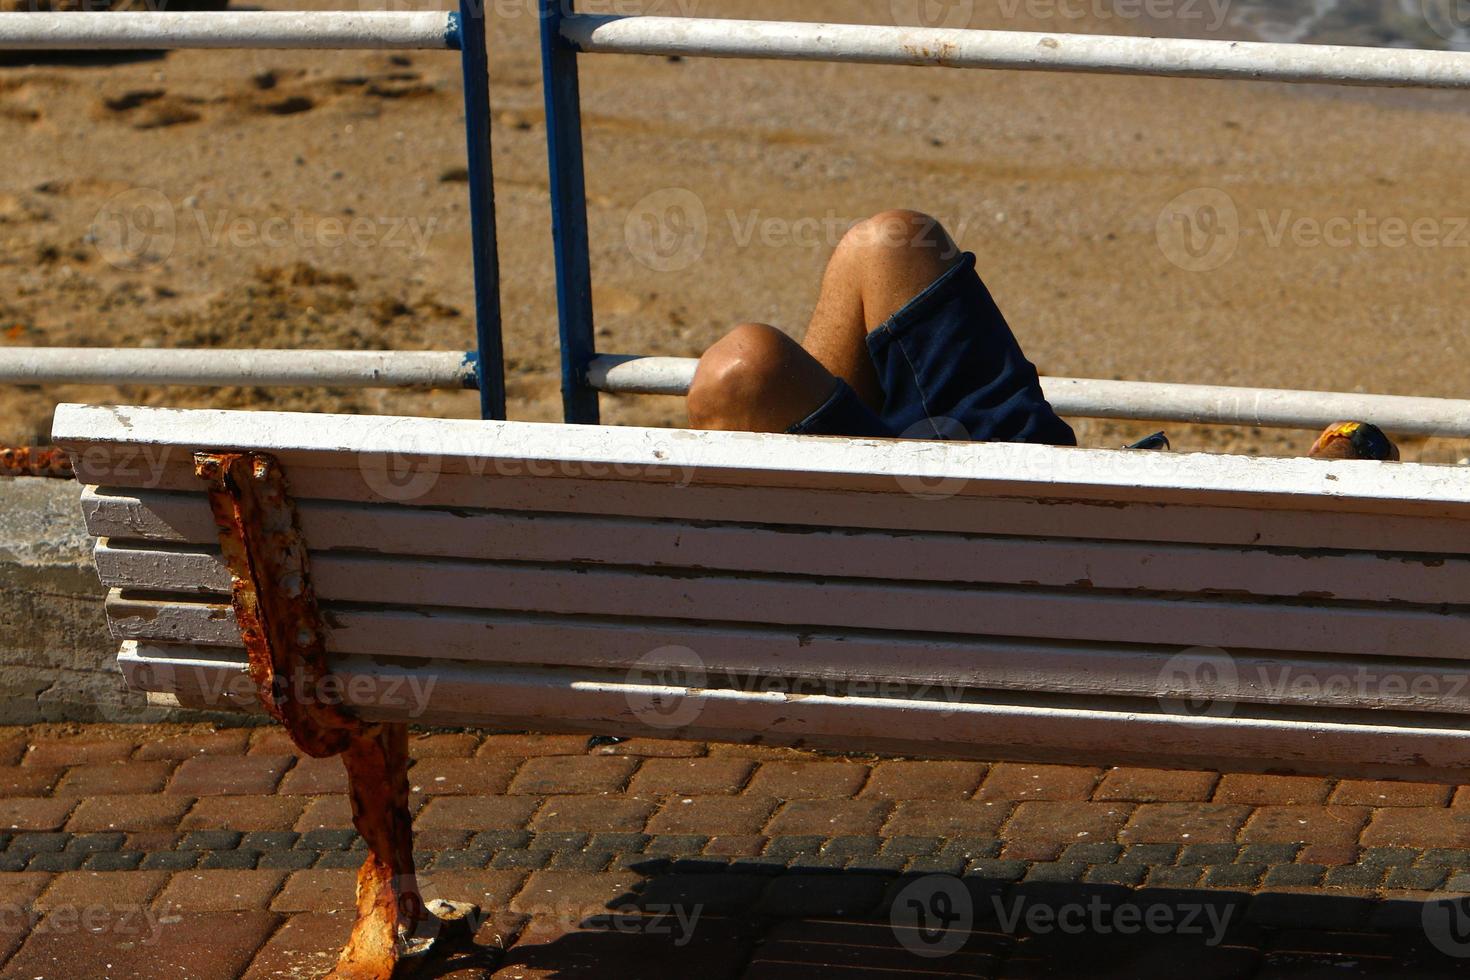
{"x": 1152, "y": 853}
{"x": 1328, "y": 854}
{"x": 157, "y": 811}
{"x": 1175, "y": 876}
{"x": 171, "y": 860}
{"x": 1191, "y": 823}
{"x": 249, "y": 775}
{"x": 1295, "y": 875}
{"x": 924, "y": 780}
{"x": 229, "y": 860}
{"x": 1416, "y": 878}
{"x": 1268, "y": 853}
{"x": 1418, "y": 828}
{"x": 572, "y": 896}
{"x": 573, "y": 775}
{"x": 28, "y": 780}
{"x": 530, "y": 746}
{"x": 691, "y": 777}
{"x": 1125, "y": 784}
{"x": 487, "y": 776}
{"x": 252, "y": 813}
{"x": 209, "y": 840}
{"x": 49, "y": 753}
{"x": 735, "y": 845}
{"x": 38, "y": 842}
{"x": 526, "y": 859}
{"x": 112, "y": 778}
{"x": 221, "y": 891}
{"x": 340, "y": 859}
{"x": 306, "y": 945}
{"x": 830, "y": 817}
{"x": 334, "y": 812}
{"x": 1305, "y": 824}
{"x": 559, "y": 841}
{"x": 286, "y": 860}
{"x": 744, "y": 814}
{"x": 1388, "y": 857}
{"x": 794, "y": 845}
{"x": 946, "y": 818}
{"x": 118, "y": 889}
{"x": 1355, "y": 876}
{"x": 314, "y": 777}
{"x": 134, "y": 945}
{"x": 1116, "y": 874}
{"x": 12, "y": 749}
{"x": 1096, "y": 852}
{"x": 912, "y": 846}
{"x": 93, "y": 843}
{"x": 27, "y": 813}
{"x": 329, "y": 890}
{"x": 654, "y": 748}
{"x": 495, "y": 840}
{"x": 113, "y": 861}
{"x": 1054, "y": 871}
{"x": 69, "y": 861}
{"x": 1011, "y": 781}
{"x": 442, "y": 745}
{"x": 188, "y": 745}
{"x": 1234, "y": 875}
{"x": 1208, "y": 854}
{"x": 477, "y": 812}
{"x": 593, "y": 813}
{"x": 998, "y": 869}
{"x": 1258, "y": 789}
{"x": 1037, "y": 831}
{"x": 807, "y": 780}
{"x": 1360, "y": 792}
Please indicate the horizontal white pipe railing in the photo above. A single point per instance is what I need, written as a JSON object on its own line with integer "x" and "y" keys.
{"x": 884, "y": 45}
{"x": 1152, "y": 401}
{"x": 225, "y": 368}
{"x": 146, "y": 30}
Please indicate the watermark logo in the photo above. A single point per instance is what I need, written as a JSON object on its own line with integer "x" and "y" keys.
{"x": 400, "y": 477}
{"x": 659, "y": 685}
{"x": 932, "y": 917}
{"x": 1447, "y": 924}
{"x": 949, "y": 14}
{"x": 1202, "y": 681}
{"x": 1199, "y": 230}
{"x": 135, "y": 229}
{"x": 1450, "y": 19}
{"x": 668, "y": 230}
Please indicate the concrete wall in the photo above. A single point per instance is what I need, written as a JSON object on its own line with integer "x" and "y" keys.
{"x": 56, "y": 655}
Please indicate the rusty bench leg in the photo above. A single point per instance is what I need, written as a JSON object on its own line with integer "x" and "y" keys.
{"x": 276, "y": 611}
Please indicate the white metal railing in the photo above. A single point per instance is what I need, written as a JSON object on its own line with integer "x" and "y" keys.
{"x": 251, "y": 29}
{"x": 1155, "y": 401}
{"x": 214, "y": 368}
{"x": 879, "y": 45}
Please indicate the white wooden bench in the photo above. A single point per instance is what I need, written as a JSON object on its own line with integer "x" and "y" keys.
{"x": 937, "y": 599}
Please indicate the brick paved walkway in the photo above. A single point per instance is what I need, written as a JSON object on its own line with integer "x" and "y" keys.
{"x": 183, "y": 853}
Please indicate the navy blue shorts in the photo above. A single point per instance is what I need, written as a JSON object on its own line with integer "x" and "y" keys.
{"x": 950, "y": 369}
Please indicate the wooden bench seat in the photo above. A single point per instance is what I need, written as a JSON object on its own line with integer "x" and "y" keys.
{"x": 936, "y": 599}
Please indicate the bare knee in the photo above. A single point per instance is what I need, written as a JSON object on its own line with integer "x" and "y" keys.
{"x": 755, "y": 379}
{"x": 900, "y": 230}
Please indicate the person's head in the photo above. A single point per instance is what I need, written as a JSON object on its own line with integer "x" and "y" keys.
{"x": 1354, "y": 440}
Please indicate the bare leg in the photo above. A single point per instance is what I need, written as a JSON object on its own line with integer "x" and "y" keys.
{"x": 757, "y": 379}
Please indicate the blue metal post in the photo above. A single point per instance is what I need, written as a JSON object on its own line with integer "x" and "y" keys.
{"x": 568, "y": 214}
{"x": 490, "y": 360}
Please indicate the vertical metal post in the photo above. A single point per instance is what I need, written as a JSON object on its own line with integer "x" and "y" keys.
{"x": 568, "y": 214}
{"x": 490, "y": 363}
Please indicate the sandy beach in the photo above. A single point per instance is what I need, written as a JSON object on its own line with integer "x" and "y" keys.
{"x": 317, "y": 199}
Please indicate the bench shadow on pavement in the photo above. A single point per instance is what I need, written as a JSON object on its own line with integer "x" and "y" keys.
{"x": 717, "y": 921}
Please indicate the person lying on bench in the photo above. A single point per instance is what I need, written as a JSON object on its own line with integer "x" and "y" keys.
{"x": 907, "y": 343}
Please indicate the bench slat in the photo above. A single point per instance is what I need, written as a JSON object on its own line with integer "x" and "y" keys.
{"x": 847, "y": 552}
{"x": 742, "y": 655}
{"x": 1080, "y": 614}
{"x": 1349, "y": 743}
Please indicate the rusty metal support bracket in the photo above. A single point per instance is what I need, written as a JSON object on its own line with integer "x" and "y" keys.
{"x": 276, "y": 611}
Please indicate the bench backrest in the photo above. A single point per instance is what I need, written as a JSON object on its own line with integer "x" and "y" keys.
{"x": 914, "y": 597}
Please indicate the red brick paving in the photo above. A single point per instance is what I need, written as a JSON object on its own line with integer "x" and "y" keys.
{"x": 542, "y": 827}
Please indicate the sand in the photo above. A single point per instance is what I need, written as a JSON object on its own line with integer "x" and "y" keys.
{"x": 317, "y": 199}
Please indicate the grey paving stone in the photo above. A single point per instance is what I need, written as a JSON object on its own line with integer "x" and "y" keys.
{"x": 500, "y": 840}
{"x": 556, "y": 843}
{"x": 286, "y": 860}
{"x": 972, "y": 848}
{"x": 1233, "y": 875}
{"x": 1093, "y": 852}
{"x": 1355, "y": 876}
{"x": 236, "y": 860}
{"x": 113, "y": 861}
{"x": 170, "y": 860}
{"x": 1295, "y": 875}
{"x": 326, "y": 839}
{"x": 765, "y": 864}
{"x": 1208, "y": 854}
{"x": 1116, "y": 874}
{"x": 1388, "y": 857}
{"x": 1175, "y": 876}
{"x": 269, "y": 840}
{"x": 56, "y": 861}
{"x": 1056, "y": 871}
{"x": 588, "y": 861}
{"x": 339, "y": 859}
{"x": 1152, "y": 854}
{"x": 1269, "y": 854}
{"x": 675, "y": 845}
{"x": 996, "y": 869}
{"x": 879, "y": 864}
{"x": 27, "y": 843}
{"x": 1420, "y": 879}
{"x": 852, "y": 846}
{"x": 1444, "y": 857}
{"x": 95, "y": 843}
{"x": 618, "y": 843}
{"x": 912, "y": 846}
{"x": 815, "y": 862}
{"x": 787, "y": 846}
{"x": 937, "y": 864}
{"x": 209, "y": 840}
{"x": 461, "y": 860}
{"x": 521, "y": 859}
{"x": 14, "y": 862}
